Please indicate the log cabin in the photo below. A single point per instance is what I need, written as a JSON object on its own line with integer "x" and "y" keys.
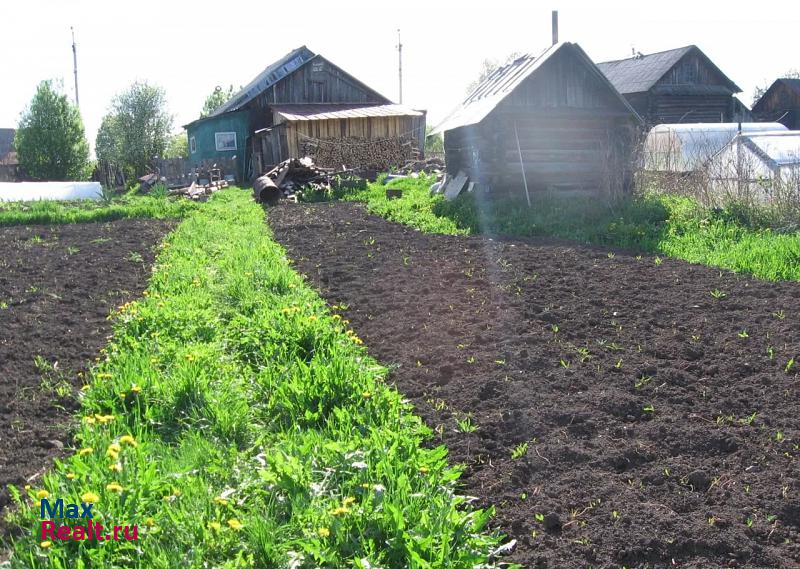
{"x": 780, "y": 103}
{"x": 548, "y": 122}
{"x": 676, "y": 86}
{"x": 305, "y": 105}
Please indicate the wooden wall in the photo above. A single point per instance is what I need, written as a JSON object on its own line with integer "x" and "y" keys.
{"x": 779, "y": 104}
{"x": 574, "y": 134}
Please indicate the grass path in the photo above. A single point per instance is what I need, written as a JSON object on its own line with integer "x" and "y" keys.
{"x": 239, "y": 423}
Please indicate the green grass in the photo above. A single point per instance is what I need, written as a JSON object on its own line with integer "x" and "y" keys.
{"x": 238, "y": 422}
{"x": 651, "y": 223}
{"x": 86, "y": 211}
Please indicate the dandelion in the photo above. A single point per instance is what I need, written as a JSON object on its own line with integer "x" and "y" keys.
{"x": 176, "y": 493}
{"x": 366, "y": 395}
{"x": 114, "y": 487}
{"x": 114, "y": 447}
{"x": 149, "y": 522}
{"x": 27, "y": 487}
{"x": 89, "y": 420}
{"x": 340, "y": 511}
{"x": 103, "y": 419}
{"x": 221, "y": 501}
{"x": 116, "y": 467}
{"x": 323, "y": 532}
{"x": 135, "y": 389}
{"x": 233, "y": 523}
{"x": 85, "y": 451}
{"x": 189, "y": 357}
{"x": 216, "y": 526}
{"x": 128, "y": 440}
{"x": 103, "y": 375}
{"x": 46, "y": 544}
{"x": 42, "y": 494}
{"x": 312, "y": 318}
{"x": 423, "y": 470}
{"x": 347, "y": 501}
{"x": 90, "y": 497}
{"x": 71, "y": 476}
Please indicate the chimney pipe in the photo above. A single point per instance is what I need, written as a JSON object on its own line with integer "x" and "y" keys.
{"x": 555, "y": 27}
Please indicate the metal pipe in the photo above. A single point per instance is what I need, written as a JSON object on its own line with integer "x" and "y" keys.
{"x": 75, "y": 66}
{"x": 555, "y": 27}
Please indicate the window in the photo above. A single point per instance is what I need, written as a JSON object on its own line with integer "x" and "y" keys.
{"x": 192, "y": 145}
{"x": 225, "y": 141}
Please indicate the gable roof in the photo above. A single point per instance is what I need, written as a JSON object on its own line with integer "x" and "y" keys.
{"x": 328, "y": 111}
{"x": 266, "y": 79}
{"x": 640, "y": 73}
{"x": 502, "y": 82}
{"x": 791, "y": 84}
{"x": 6, "y": 141}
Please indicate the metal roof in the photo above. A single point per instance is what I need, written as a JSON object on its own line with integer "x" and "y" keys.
{"x": 639, "y": 73}
{"x": 500, "y": 83}
{"x": 326, "y": 111}
{"x": 264, "y": 80}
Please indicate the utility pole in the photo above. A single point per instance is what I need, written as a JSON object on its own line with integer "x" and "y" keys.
{"x": 75, "y": 66}
{"x": 400, "y": 64}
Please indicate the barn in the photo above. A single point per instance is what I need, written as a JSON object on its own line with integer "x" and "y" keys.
{"x": 781, "y": 103}
{"x": 546, "y": 122}
{"x": 304, "y": 105}
{"x": 676, "y": 86}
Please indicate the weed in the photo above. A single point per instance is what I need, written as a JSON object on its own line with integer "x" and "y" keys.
{"x": 519, "y": 451}
{"x": 466, "y": 425}
{"x": 618, "y": 365}
{"x": 743, "y": 334}
{"x": 658, "y": 261}
{"x": 649, "y": 408}
{"x": 779, "y": 314}
{"x": 564, "y": 363}
{"x": 789, "y": 365}
{"x": 718, "y": 294}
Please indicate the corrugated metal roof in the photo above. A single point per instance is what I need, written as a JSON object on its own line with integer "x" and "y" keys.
{"x": 264, "y": 80}
{"x": 500, "y": 83}
{"x": 639, "y": 73}
{"x": 326, "y": 111}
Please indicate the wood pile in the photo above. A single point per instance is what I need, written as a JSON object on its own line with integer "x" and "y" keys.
{"x": 198, "y": 192}
{"x": 288, "y": 178}
{"x": 428, "y": 166}
{"x": 349, "y": 152}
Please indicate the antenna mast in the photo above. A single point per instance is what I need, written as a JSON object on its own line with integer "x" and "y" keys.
{"x": 400, "y": 64}
{"x": 75, "y": 66}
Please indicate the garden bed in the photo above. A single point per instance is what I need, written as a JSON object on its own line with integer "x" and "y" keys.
{"x": 58, "y": 285}
{"x": 619, "y": 410}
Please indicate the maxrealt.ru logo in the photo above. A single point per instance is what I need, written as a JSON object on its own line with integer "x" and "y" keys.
{"x": 59, "y": 510}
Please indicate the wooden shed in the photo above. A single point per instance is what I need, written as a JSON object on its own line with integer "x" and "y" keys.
{"x": 9, "y": 164}
{"x": 553, "y": 118}
{"x": 305, "y": 105}
{"x": 676, "y": 86}
{"x": 780, "y": 103}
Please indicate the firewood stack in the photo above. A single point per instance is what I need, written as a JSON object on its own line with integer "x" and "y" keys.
{"x": 377, "y": 154}
{"x": 289, "y": 177}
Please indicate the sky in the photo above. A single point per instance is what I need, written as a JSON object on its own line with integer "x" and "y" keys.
{"x": 188, "y": 48}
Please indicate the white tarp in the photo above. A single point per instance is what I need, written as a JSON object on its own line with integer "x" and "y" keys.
{"x": 688, "y": 147}
{"x": 31, "y": 191}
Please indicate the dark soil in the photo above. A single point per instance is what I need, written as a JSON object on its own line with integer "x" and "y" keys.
{"x": 57, "y": 287}
{"x": 659, "y": 433}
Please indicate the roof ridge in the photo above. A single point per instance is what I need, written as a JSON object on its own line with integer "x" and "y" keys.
{"x": 644, "y": 55}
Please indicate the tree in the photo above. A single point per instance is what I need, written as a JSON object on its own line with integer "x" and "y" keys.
{"x": 758, "y": 92}
{"x": 178, "y": 146}
{"x": 50, "y": 140}
{"x": 216, "y": 99}
{"x": 489, "y": 66}
{"x": 433, "y": 142}
{"x": 136, "y": 130}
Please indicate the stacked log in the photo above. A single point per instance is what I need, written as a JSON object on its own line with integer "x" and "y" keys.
{"x": 378, "y": 154}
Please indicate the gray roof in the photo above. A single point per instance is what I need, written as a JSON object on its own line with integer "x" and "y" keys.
{"x": 6, "y": 140}
{"x": 640, "y": 73}
{"x": 267, "y": 78}
{"x": 502, "y": 82}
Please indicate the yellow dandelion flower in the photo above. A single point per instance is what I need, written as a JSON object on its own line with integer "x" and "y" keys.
{"x": 366, "y": 395}
{"x": 323, "y": 532}
{"x": 339, "y": 511}
{"x": 189, "y": 357}
{"x": 233, "y": 523}
{"x": 114, "y": 487}
{"x": 114, "y": 447}
{"x": 336, "y": 317}
{"x": 423, "y": 470}
{"x": 90, "y": 497}
{"x": 103, "y": 375}
{"x": 85, "y": 451}
{"x": 71, "y": 476}
{"x": 221, "y": 501}
{"x": 176, "y": 493}
{"x": 89, "y": 420}
{"x": 42, "y": 494}
{"x": 128, "y": 440}
{"x": 216, "y": 526}
{"x": 347, "y": 501}
{"x": 286, "y": 310}
{"x": 116, "y": 467}
{"x": 46, "y": 544}
{"x": 149, "y": 522}
{"x": 27, "y": 487}
{"x": 135, "y": 389}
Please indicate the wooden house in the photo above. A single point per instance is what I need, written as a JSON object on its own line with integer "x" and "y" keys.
{"x": 304, "y": 105}
{"x": 676, "y": 86}
{"x": 780, "y": 103}
{"x": 548, "y": 122}
{"x": 9, "y": 164}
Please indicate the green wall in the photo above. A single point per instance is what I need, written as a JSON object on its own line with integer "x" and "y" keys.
{"x": 203, "y": 132}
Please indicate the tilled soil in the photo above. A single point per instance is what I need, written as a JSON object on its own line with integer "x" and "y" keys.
{"x": 661, "y": 421}
{"x": 57, "y": 287}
